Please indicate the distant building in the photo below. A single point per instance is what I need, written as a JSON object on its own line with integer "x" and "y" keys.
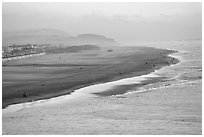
{"x": 21, "y": 50}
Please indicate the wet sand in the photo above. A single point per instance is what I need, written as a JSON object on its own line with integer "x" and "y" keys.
{"x": 164, "y": 107}
{"x": 60, "y": 74}
{"x": 171, "y": 106}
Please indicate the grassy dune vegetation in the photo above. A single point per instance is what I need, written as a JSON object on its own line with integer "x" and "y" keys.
{"x": 62, "y": 70}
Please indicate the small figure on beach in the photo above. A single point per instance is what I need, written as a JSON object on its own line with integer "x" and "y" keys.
{"x": 24, "y": 95}
{"x": 110, "y": 50}
{"x": 43, "y": 84}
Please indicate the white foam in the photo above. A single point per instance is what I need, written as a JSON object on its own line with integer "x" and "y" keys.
{"x": 180, "y": 83}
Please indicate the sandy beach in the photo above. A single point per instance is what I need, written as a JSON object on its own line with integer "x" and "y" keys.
{"x": 52, "y": 75}
{"x": 170, "y": 104}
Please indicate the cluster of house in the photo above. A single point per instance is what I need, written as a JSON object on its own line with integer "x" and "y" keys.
{"x": 21, "y": 50}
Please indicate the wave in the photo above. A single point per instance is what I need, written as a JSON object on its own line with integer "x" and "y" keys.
{"x": 180, "y": 83}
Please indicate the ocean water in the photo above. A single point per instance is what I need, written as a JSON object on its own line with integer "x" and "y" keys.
{"x": 187, "y": 71}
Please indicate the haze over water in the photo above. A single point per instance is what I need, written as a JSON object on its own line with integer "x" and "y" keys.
{"x": 120, "y": 21}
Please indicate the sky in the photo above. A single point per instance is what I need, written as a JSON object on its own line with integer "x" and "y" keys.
{"x": 121, "y": 21}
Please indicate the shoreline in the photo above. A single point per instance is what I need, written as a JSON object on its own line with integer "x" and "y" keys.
{"x": 70, "y": 92}
{"x": 168, "y": 107}
{"x": 108, "y": 79}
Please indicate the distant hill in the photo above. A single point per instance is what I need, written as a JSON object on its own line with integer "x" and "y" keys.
{"x": 52, "y": 36}
{"x": 91, "y": 39}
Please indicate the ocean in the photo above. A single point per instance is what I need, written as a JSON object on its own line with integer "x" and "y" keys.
{"x": 188, "y": 70}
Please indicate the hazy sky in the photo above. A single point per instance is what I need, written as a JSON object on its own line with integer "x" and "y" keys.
{"x": 122, "y": 21}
